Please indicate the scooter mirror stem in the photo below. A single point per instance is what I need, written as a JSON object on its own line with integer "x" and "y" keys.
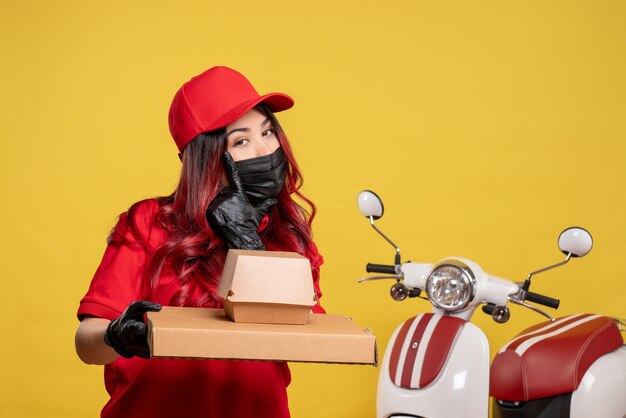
{"x": 397, "y": 260}
{"x": 526, "y": 284}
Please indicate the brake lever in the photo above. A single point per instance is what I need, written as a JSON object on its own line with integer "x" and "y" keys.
{"x": 531, "y": 307}
{"x": 368, "y": 278}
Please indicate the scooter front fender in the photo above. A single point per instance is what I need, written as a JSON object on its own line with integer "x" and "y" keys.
{"x": 460, "y": 389}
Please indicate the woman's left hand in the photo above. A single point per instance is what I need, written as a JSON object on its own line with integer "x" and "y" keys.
{"x": 232, "y": 215}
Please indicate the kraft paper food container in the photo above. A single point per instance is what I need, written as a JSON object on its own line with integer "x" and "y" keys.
{"x": 203, "y": 333}
{"x": 269, "y": 287}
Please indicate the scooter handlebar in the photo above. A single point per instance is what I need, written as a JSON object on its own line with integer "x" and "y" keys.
{"x": 380, "y": 268}
{"x": 543, "y": 300}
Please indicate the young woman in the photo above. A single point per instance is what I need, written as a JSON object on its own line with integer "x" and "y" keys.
{"x": 235, "y": 191}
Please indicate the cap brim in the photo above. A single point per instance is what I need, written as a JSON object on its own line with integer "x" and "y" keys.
{"x": 277, "y": 102}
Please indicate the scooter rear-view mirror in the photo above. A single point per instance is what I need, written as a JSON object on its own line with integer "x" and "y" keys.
{"x": 575, "y": 241}
{"x": 370, "y": 205}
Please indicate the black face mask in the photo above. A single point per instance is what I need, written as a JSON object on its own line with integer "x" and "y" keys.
{"x": 263, "y": 177}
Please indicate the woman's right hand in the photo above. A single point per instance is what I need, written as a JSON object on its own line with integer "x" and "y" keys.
{"x": 128, "y": 334}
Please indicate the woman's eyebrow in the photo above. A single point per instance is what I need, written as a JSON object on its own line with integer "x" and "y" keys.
{"x": 237, "y": 130}
{"x": 265, "y": 122}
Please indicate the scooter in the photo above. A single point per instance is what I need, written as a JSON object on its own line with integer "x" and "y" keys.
{"x": 437, "y": 364}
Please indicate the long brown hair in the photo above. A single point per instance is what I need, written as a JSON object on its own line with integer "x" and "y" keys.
{"x": 192, "y": 250}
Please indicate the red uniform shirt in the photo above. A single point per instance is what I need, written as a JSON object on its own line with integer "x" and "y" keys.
{"x": 176, "y": 388}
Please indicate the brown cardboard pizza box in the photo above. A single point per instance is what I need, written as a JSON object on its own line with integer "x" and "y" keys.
{"x": 203, "y": 333}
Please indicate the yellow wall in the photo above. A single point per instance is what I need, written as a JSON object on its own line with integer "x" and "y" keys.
{"x": 486, "y": 126}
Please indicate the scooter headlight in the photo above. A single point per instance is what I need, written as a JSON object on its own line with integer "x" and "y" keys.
{"x": 450, "y": 286}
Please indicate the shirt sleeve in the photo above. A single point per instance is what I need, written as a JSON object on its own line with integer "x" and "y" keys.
{"x": 119, "y": 277}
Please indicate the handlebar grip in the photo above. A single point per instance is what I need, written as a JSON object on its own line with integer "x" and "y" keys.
{"x": 380, "y": 268}
{"x": 543, "y": 300}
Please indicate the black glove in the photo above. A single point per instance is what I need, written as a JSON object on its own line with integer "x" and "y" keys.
{"x": 232, "y": 215}
{"x": 128, "y": 334}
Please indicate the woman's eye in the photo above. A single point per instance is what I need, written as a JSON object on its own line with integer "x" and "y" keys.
{"x": 240, "y": 142}
{"x": 269, "y": 132}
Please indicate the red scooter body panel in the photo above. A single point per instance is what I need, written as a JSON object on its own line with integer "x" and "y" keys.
{"x": 409, "y": 370}
{"x": 552, "y": 357}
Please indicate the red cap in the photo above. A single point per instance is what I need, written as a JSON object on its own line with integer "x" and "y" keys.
{"x": 212, "y": 100}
